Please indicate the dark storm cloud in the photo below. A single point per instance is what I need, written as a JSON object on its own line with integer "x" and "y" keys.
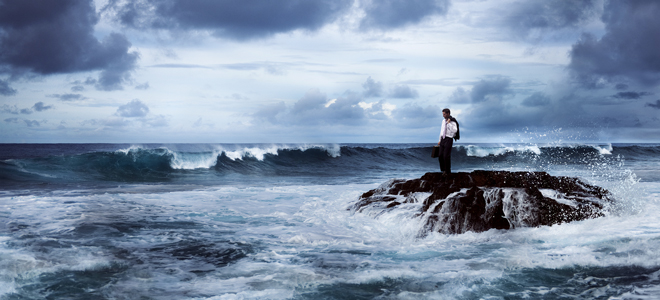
{"x": 527, "y": 16}
{"x": 40, "y": 106}
{"x": 581, "y": 114}
{"x": 621, "y": 86}
{"x": 496, "y": 86}
{"x": 655, "y": 105}
{"x": 236, "y": 19}
{"x": 313, "y": 100}
{"x": 630, "y": 95}
{"x": 5, "y": 89}
{"x": 9, "y": 109}
{"x": 536, "y": 99}
{"x": 57, "y": 37}
{"x": 133, "y": 109}
{"x": 628, "y": 50}
{"x": 389, "y": 14}
{"x": 32, "y": 123}
{"x": 492, "y": 107}
{"x": 493, "y": 87}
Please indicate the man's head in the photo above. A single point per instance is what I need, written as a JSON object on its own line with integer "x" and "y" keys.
{"x": 446, "y": 113}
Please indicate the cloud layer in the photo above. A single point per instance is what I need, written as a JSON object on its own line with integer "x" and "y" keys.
{"x": 351, "y": 109}
{"x": 628, "y": 52}
{"x": 57, "y": 37}
{"x": 390, "y": 14}
{"x": 527, "y": 19}
{"x": 250, "y": 19}
{"x": 235, "y": 19}
{"x": 335, "y": 69}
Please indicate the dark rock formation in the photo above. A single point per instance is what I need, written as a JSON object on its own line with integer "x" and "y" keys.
{"x": 483, "y": 200}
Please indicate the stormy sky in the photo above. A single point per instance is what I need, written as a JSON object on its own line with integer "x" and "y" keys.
{"x": 328, "y": 71}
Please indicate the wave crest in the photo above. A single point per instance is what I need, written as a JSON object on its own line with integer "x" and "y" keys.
{"x": 208, "y": 158}
{"x": 192, "y": 163}
{"x": 484, "y": 151}
{"x": 502, "y": 149}
{"x": 259, "y": 153}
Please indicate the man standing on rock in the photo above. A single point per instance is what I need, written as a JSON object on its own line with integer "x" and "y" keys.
{"x": 448, "y": 133}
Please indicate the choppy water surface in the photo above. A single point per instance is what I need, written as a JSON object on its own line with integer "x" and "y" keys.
{"x": 271, "y": 222}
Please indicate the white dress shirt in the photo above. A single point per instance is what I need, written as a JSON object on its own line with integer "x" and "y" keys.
{"x": 448, "y": 129}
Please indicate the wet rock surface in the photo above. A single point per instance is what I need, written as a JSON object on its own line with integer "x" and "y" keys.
{"x": 483, "y": 200}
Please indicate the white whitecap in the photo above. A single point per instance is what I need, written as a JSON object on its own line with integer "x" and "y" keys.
{"x": 333, "y": 150}
{"x": 194, "y": 160}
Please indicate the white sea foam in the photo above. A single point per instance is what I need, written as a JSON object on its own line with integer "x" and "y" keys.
{"x": 333, "y": 150}
{"x": 483, "y": 151}
{"x": 180, "y": 160}
{"x": 192, "y": 160}
{"x": 604, "y": 149}
{"x": 557, "y": 196}
{"x": 500, "y": 149}
{"x": 256, "y": 152}
{"x": 129, "y": 150}
{"x": 305, "y": 241}
{"x": 207, "y": 158}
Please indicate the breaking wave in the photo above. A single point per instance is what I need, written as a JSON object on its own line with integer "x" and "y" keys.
{"x": 197, "y": 163}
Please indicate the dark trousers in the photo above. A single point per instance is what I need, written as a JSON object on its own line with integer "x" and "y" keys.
{"x": 445, "y": 154}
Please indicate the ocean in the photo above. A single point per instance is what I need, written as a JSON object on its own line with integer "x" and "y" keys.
{"x": 271, "y": 221}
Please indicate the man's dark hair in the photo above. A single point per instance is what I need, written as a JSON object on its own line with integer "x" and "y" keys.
{"x": 446, "y": 110}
